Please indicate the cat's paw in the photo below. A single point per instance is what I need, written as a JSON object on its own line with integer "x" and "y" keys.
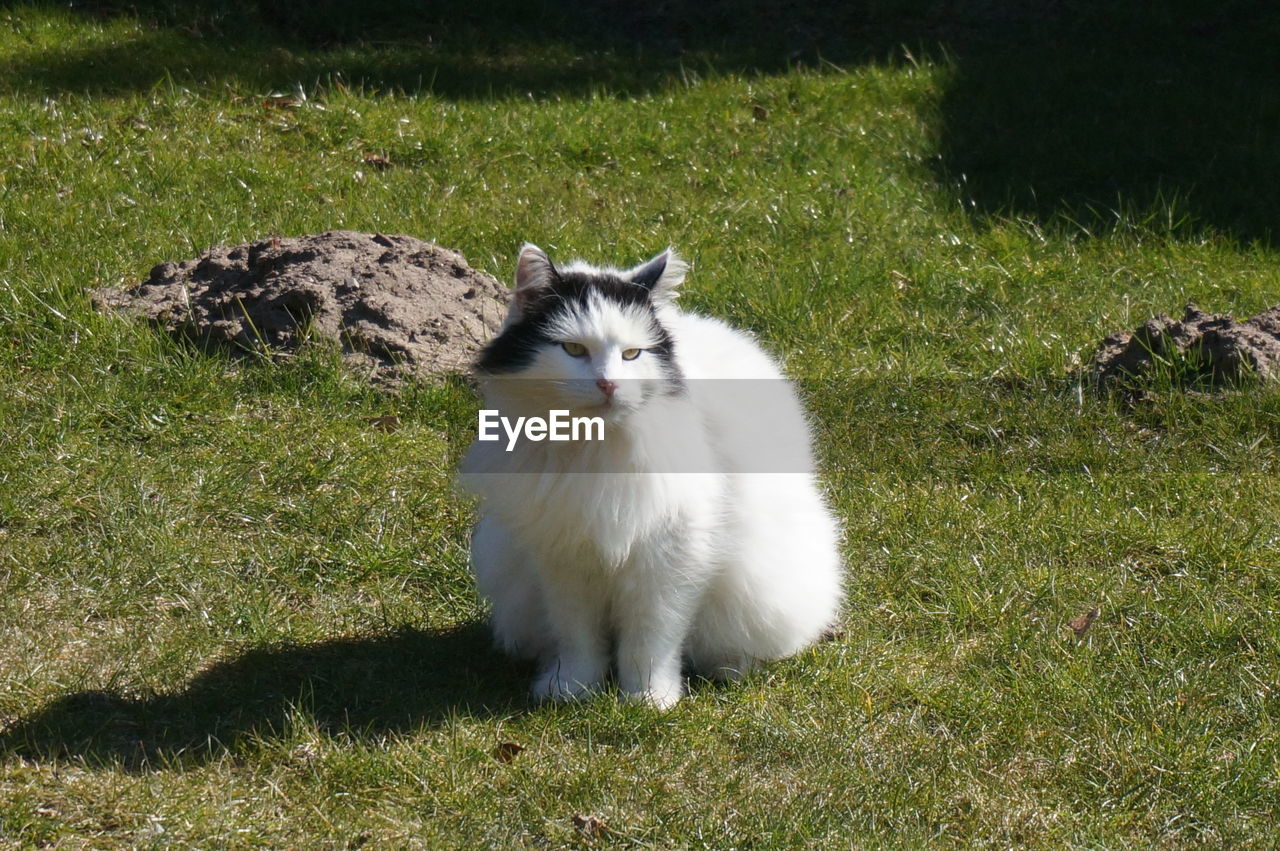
{"x": 660, "y": 697}
{"x": 554, "y": 686}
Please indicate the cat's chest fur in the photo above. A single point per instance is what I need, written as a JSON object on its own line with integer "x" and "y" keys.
{"x": 594, "y": 502}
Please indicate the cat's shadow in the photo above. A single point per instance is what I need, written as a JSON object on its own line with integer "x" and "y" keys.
{"x": 359, "y": 687}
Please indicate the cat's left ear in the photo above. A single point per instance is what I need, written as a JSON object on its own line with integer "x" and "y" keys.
{"x": 661, "y": 275}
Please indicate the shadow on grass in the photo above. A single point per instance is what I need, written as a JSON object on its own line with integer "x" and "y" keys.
{"x": 1083, "y": 113}
{"x": 463, "y": 50}
{"x": 363, "y": 687}
{"x": 1115, "y": 112}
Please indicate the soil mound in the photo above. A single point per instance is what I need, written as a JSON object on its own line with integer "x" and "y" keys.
{"x": 398, "y": 306}
{"x": 1212, "y": 348}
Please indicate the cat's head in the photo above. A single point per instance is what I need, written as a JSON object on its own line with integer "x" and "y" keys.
{"x": 588, "y": 338}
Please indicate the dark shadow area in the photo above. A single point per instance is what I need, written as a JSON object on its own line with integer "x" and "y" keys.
{"x": 1164, "y": 113}
{"x": 360, "y": 686}
{"x": 454, "y": 49}
{"x": 1074, "y": 113}
{"x": 495, "y": 48}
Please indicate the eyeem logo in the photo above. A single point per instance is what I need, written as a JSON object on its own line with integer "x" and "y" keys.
{"x": 558, "y": 426}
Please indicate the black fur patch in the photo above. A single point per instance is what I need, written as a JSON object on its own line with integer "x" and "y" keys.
{"x": 517, "y": 346}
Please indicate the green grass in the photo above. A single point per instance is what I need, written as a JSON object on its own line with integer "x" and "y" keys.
{"x": 234, "y": 612}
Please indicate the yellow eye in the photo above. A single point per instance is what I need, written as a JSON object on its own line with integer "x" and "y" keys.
{"x": 575, "y": 350}
{"x": 631, "y": 354}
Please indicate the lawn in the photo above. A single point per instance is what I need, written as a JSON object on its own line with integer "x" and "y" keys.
{"x": 234, "y": 604}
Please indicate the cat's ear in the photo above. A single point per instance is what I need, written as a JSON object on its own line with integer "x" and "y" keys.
{"x": 661, "y": 275}
{"x": 534, "y": 276}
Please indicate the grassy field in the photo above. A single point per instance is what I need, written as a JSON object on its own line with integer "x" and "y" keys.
{"x": 235, "y": 613}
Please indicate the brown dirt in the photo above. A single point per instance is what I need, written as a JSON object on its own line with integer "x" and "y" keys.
{"x": 398, "y": 306}
{"x": 1213, "y": 348}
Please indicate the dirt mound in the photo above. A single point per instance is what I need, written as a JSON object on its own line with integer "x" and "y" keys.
{"x": 1204, "y": 348}
{"x": 397, "y": 305}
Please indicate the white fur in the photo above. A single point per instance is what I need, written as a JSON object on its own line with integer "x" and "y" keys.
{"x": 724, "y": 567}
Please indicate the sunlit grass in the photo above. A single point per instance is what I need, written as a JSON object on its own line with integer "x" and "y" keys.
{"x": 236, "y": 612}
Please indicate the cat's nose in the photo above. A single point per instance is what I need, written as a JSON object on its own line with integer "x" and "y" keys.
{"x": 606, "y": 387}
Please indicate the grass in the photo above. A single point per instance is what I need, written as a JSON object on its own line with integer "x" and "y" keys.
{"x": 234, "y": 612}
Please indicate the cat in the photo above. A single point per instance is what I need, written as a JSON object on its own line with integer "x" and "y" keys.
{"x": 696, "y": 532}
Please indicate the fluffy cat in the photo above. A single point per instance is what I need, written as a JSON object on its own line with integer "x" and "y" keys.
{"x": 695, "y": 532}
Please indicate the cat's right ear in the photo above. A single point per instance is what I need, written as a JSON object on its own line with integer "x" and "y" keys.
{"x": 534, "y": 276}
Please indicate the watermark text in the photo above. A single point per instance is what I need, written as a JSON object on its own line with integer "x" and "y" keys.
{"x": 557, "y": 426}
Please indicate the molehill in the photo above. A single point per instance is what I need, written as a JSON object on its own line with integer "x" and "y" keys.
{"x": 397, "y": 306}
{"x": 1202, "y": 348}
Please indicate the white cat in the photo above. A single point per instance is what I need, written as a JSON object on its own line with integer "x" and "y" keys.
{"x": 695, "y": 531}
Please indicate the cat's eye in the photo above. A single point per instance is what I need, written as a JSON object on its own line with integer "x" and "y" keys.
{"x": 575, "y": 350}
{"x": 631, "y": 354}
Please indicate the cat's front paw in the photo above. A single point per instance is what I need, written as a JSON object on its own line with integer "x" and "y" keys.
{"x": 659, "y": 696}
{"x": 556, "y": 686}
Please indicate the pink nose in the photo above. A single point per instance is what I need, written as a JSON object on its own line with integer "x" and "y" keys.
{"x": 606, "y": 386}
